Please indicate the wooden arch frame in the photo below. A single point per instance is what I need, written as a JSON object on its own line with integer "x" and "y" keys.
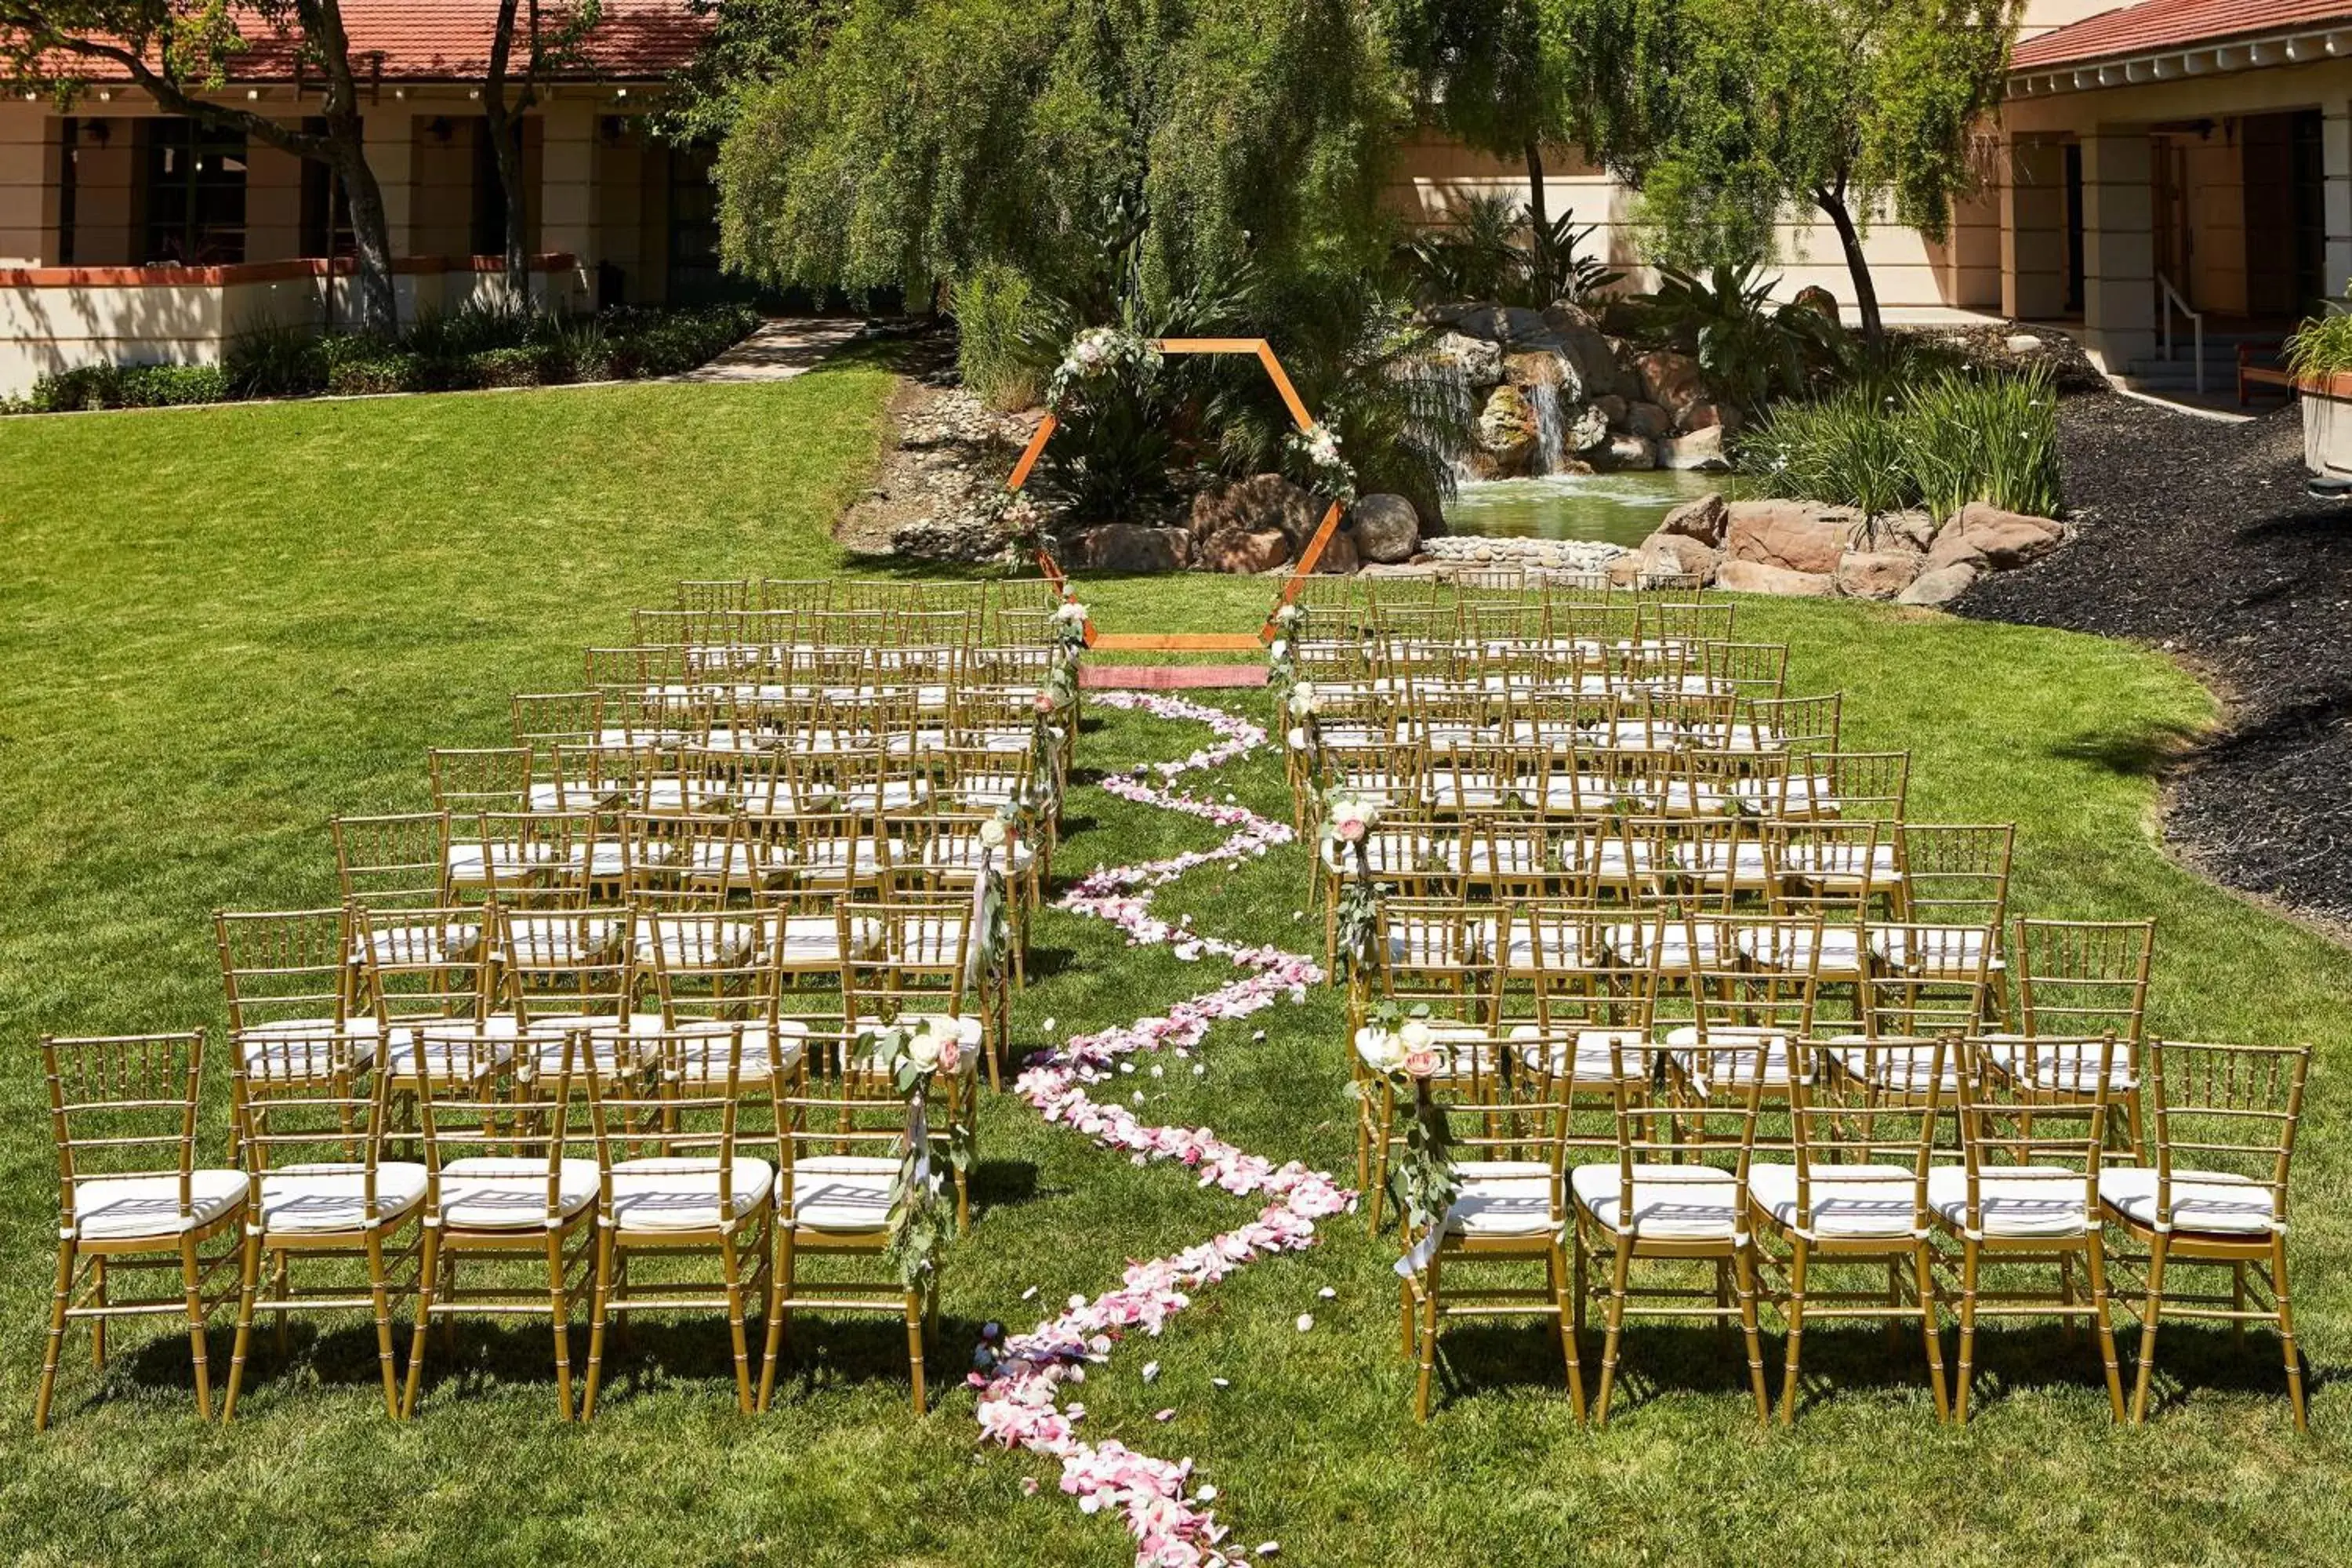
{"x": 1301, "y": 569}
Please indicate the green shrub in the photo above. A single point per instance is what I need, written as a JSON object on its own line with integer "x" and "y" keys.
{"x": 2321, "y": 346}
{"x": 993, "y": 312}
{"x": 1750, "y": 350}
{"x": 383, "y": 370}
{"x": 1955, "y": 436}
{"x": 523, "y": 366}
{"x": 170, "y": 385}
{"x": 277, "y": 359}
{"x": 84, "y": 386}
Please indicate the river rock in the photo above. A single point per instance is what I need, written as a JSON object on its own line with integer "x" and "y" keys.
{"x": 1339, "y": 556}
{"x": 1476, "y": 361}
{"x": 1650, "y": 420}
{"x": 1511, "y": 324}
{"x": 1702, "y": 520}
{"x": 1876, "y": 573}
{"x": 1755, "y": 577}
{"x": 1242, "y": 551}
{"x": 1797, "y": 536}
{"x": 1612, "y": 409}
{"x": 1584, "y": 431}
{"x": 1627, "y": 454}
{"x": 1699, "y": 450}
{"x": 1252, "y": 506}
{"x": 1708, "y": 415}
{"x": 1814, "y": 298}
{"x": 1670, "y": 380}
{"x": 1938, "y": 586}
{"x": 1577, "y": 339}
{"x": 1131, "y": 547}
{"x": 2005, "y": 539}
{"x": 1386, "y": 526}
{"x": 1667, "y": 554}
{"x": 1537, "y": 367}
{"x": 1506, "y": 431}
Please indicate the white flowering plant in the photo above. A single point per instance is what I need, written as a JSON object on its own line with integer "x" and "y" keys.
{"x": 1318, "y": 448}
{"x": 1096, "y": 356}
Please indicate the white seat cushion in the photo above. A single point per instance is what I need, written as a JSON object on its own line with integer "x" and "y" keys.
{"x": 2068, "y": 1067}
{"x": 1671, "y": 1203}
{"x": 674, "y": 1193}
{"x": 1503, "y": 1197}
{"x": 499, "y": 1192}
{"x": 2216, "y": 1202}
{"x": 1673, "y": 941}
{"x": 333, "y": 1197}
{"x": 843, "y": 1192}
{"x": 1562, "y": 946}
{"x": 1898, "y": 1068}
{"x": 2019, "y": 1200}
{"x": 1730, "y": 1054}
{"x": 117, "y": 1208}
{"x": 440, "y": 1049}
{"x": 1848, "y": 1201}
{"x": 1934, "y": 950}
{"x": 1840, "y": 949}
{"x": 1588, "y": 1058}
{"x": 297, "y": 1046}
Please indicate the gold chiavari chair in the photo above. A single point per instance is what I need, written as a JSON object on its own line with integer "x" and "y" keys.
{"x": 1434, "y": 957}
{"x": 561, "y": 973}
{"x": 543, "y": 720}
{"x": 131, "y": 1200}
{"x": 1922, "y": 986}
{"x": 909, "y": 959}
{"x": 688, "y": 861}
{"x": 2084, "y": 979}
{"x": 544, "y": 859}
{"x": 1674, "y": 1193}
{"x": 1800, "y": 726}
{"x": 312, "y": 1137}
{"x": 467, "y": 780}
{"x": 1511, "y": 1150}
{"x": 1956, "y": 889}
{"x": 1687, "y": 620}
{"x": 607, "y": 777}
{"x": 2225, "y": 1122}
{"x": 393, "y": 862}
{"x": 718, "y": 974}
{"x": 847, "y": 1135}
{"x": 288, "y": 979}
{"x": 682, "y": 1176}
{"x": 2027, "y": 1195}
{"x": 1828, "y": 870}
{"x": 714, "y": 594}
{"x": 427, "y": 976}
{"x": 1750, "y": 670}
{"x": 510, "y": 1199}
{"x": 795, "y": 593}
{"x": 1854, "y": 1194}
{"x": 1753, "y": 981}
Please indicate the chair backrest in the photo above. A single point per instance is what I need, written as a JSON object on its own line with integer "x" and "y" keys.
{"x": 317, "y": 1103}
{"x": 282, "y": 967}
{"x": 2225, "y": 1110}
{"x": 545, "y": 719}
{"x": 1847, "y": 1129}
{"x": 2044, "y": 1147}
{"x": 538, "y": 857}
{"x": 1874, "y": 786}
{"x": 1752, "y": 670}
{"x": 467, "y": 780}
{"x": 123, "y": 1105}
{"x": 424, "y": 964}
{"x": 1660, "y": 1121}
{"x": 1438, "y": 952}
{"x": 683, "y": 859}
{"x": 683, "y": 1096}
{"x": 714, "y": 594}
{"x": 2084, "y": 977}
{"x": 904, "y": 955}
{"x": 1802, "y": 726}
{"x": 393, "y": 862}
{"x": 1748, "y": 976}
{"x": 459, "y": 1115}
{"x": 1921, "y": 980}
{"x": 1825, "y": 868}
{"x": 567, "y": 963}
{"x": 1957, "y": 875}
{"x": 712, "y": 965}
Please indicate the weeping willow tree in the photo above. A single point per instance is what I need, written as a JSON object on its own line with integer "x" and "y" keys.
{"x": 1491, "y": 74}
{"x": 1729, "y": 114}
{"x": 916, "y": 143}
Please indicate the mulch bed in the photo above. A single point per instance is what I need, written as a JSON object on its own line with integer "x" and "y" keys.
{"x": 2197, "y": 536}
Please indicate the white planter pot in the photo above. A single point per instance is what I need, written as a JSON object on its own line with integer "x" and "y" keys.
{"x": 2327, "y": 427}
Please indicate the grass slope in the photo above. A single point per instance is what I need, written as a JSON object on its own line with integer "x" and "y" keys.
{"x": 225, "y": 625}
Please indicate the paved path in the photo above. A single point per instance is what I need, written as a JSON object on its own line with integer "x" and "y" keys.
{"x": 781, "y": 349}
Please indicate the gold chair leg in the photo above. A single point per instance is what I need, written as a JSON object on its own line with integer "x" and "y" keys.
{"x": 1616, "y": 1329}
{"x": 778, "y": 1314}
{"x": 379, "y": 1290}
{"x": 58, "y": 1299}
{"x": 1930, "y": 1332}
{"x": 2151, "y": 1311}
{"x": 599, "y": 1309}
{"x": 1428, "y": 1346}
{"x": 2095, "y": 1261}
{"x": 1967, "y": 1332}
{"x": 428, "y": 1276}
{"x": 915, "y": 1345}
{"x": 248, "y": 1286}
{"x": 560, "y": 1308}
{"x": 1562, "y": 1274}
{"x": 2287, "y": 1333}
{"x": 1796, "y": 1314}
{"x": 192, "y": 1280}
{"x": 97, "y": 1324}
{"x": 733, "y": 1273}
{"x": 1744, "y": 1263}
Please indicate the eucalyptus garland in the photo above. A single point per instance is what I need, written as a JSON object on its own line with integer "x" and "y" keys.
{"x": 920, "y": 1217}
{"x": 1401, "y": 1048}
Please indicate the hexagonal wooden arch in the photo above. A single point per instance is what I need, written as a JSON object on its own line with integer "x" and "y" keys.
{"x": 1301, "y": 569}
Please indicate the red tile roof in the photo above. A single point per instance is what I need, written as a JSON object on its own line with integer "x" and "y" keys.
{"x": 2171, "y": 24}
{"x": 449, "y": 40}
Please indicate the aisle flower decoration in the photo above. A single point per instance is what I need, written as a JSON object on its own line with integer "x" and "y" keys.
{"x": 1319, "y": 448}
{"x": 920, "y": 1217}
{"x": 1349, "y": 818}
{"x": 1098, "y": 355}
{"x": 1305, "y": 703}
{"x": 1070, "y": 626}
{"x": 1402, "y": 1050}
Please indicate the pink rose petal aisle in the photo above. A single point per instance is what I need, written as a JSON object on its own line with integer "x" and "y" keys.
{"x": 1021, "y": 1402}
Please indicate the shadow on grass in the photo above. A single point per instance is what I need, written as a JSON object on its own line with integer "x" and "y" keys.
{"x": 2145, "y": 751}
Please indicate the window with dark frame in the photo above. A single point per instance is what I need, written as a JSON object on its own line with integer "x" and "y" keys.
{"x": 192, "y": 194}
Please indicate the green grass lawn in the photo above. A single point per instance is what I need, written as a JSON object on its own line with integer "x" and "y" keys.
{"x": 223, "y": 627}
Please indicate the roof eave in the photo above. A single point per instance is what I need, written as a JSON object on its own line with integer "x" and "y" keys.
{"x": 2210, "y": 57}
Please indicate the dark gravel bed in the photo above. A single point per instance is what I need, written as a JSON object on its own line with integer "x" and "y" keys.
{"x": 2197, "y": 536}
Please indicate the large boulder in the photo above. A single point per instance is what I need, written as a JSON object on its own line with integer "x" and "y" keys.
{"x": 2005, "y": 539}
{"x": 1798, "y": 536}
{"x": 1755, "y": 577}
{"x": 1578, "y": 339}
{"x": 1585, "y": 429}
{"x": 1253, "y": 505}
{"x": 1876, "y": 573}
{"x": 1702, "y": 520}
{"x": 1387, "y": 528}
{"x": 1613, "y": 409}
{"x": 1938, "y": 586}
{"x": 1627, "y": 454}
{"x": 1242, "y": 551}
{"x": 1339, "y": 556}
{"x": 1476, "y": 361}
{"x": 1670, "y": 380}
{"x": 1506, "y": 431}
{"x": 1699, "y": 450}
{"x": 1667, "y": 554}
{"x": 1511, "y": 324}
{"x": 1537, "y": 367}
{"x": 1706, "y": 414}
{"x": 1913, "y": 531}
{"x": 1131, "y": 547}
{"x": 1650, "y": 420}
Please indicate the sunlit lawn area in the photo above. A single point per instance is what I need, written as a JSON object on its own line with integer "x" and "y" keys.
{"x": 223, "y": 627}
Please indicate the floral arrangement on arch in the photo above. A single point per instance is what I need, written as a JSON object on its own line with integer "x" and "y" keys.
{"x": 913, "y": 1055}
{"x": 1100, "y": 354}
{"x": 1401, "y": 1049}
{"x": 1317, "y": 447}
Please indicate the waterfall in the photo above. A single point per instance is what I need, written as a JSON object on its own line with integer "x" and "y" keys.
{"x": 1544, "y": 397}
{"x": 1460, "y": 399}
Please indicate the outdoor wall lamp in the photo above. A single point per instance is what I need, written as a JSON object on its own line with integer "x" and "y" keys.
{"x": 438, "y": 127}
{"x": 97, "y": 131}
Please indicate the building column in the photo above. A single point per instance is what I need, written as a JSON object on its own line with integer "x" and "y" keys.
{"x": 390, "y": 137}
{"x": 32, "y": 165}
{"x": 2033, "y": 230}
{"x": 2118, "y": 247}
{"x": 570, "y": 206}
{"x": 2336, "y": 161}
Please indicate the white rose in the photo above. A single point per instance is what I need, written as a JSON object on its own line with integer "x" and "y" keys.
{"x": 1416, "y": 1035}
{"x": 1281, "y": 647}
{"x": 923, "y": 1048}
{"x": 1383, "y": 1051}
{"x": 991, "y": 833}
{"x": 1302, "y": 699}
{"x": 967, "y": 1030}
{"x": 1298, "y": 738}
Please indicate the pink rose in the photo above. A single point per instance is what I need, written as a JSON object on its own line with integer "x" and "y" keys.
{"x": 1350, "y": 829}
{"x": 1421, "y": 1064}
{"x": 951, "y": 1055}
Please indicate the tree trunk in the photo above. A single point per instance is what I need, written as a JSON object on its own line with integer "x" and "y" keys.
{"x": 506, "y": 139}
{"x": 1538, "y": 212}
{"x": 1857, "y": 265}
{"x": 378, "y": 309}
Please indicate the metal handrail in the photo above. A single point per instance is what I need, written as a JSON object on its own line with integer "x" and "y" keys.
{"x": 2169, "y": 299}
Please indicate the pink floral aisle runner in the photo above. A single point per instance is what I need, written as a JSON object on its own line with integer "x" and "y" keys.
{"x": 1022, "y": 1397}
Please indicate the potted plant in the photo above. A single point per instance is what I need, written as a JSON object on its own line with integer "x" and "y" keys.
{"x": 2320, "y": 356}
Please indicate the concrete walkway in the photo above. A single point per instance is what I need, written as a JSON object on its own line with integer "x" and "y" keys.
{"x": 781, "y": 349}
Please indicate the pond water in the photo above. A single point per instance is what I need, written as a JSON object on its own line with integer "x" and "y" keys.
{"x": 1618, "y": 508}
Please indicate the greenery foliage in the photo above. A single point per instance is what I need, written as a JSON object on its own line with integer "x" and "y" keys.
{"x": 2321, "y": 346}
{"x": 1956, "y": 437}
{"x": 1750, "y": 348}
{"x": 473, "y": 346}
{"x": 1491, "y": 249}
